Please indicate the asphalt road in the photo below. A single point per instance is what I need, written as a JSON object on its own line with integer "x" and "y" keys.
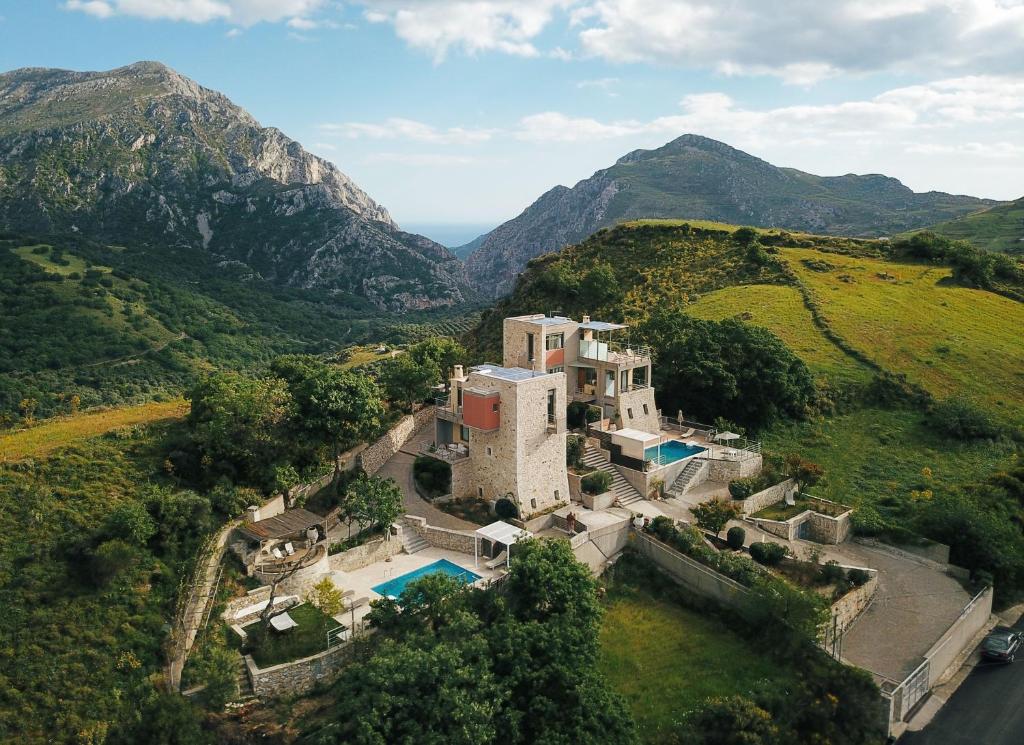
{"x": 988, "y": 709}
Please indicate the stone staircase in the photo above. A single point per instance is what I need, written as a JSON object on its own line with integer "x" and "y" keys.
{"x": 689, "y": 476}
{"x": 411, "y": 540}
{"x": 245, "y": 691}
{"x": 625, "y": 494}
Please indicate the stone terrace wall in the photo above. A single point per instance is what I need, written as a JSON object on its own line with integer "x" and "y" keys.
{"x": 825, "y": 529}
{"x": 853, "y": 603}
{"x": 729, "y": 470}
{"x": 691, "y": 574}
{"x": 362, "y": 556}
{"x": 374, "y": 457}
{"x": 766, "y": 497}
{"x": 291, "y": 678}
{"x": 453, "y": 540}
{"x": 783, "y": 529}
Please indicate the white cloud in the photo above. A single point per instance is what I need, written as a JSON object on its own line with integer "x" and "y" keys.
{"x": 233, "y": 33}
{"x": 552, "y": 126}
{"x": 397, "y": 128}
{"x": 437, "y": 26}
{"x": 96, "y": 8}
{"x": 241, "y": 12}
{"x": 604, "y": 84}
{"x": 429, "y": 160}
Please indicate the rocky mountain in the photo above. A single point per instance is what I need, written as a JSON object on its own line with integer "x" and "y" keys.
{"x": 697, "y": 178}
{"x": 144, "y": 155}
{"x": 999, "y": 228}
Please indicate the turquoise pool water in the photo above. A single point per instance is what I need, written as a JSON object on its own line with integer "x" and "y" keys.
{"x": 671, "y": 451}
{"x": 395, "y": 587}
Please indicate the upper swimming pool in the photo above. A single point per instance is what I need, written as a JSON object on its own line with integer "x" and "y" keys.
{"x": 394, "y": 587}
{"x": 671, "y": 451}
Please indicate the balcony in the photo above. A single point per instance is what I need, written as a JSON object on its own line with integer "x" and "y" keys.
{"x": 614, "y": 352}
{"x": 443, "y": 410}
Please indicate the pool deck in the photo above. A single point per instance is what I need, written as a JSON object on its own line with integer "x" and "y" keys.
{"x": 362, "y": 581}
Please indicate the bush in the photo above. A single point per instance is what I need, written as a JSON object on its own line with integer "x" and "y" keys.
{"x": 432, "y": 475}
{"x": 596, "y": 482}
{"x": 577, "y": 414}
{"x": 858, "y": 577}
{"x": 868, "y": 521}
{"x": 506, "y": 509}
{"x": 736, "y": 537}
{"x": 831, "y": 573}
{"x": 957, "y": 418}
{"x": 574, "y": 446}
{"x": 741, "y": 488}
{"x": 768, "y": 554}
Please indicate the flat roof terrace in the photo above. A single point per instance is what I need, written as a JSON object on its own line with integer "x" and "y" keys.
{"x": 511, "y": 374}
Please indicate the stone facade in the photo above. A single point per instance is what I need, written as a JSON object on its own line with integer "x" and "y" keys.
{"x": 765, "y": 497}
{"x": 637, "y": 410}
{"x": 371, "y": 552}
{"x": 292, "y": 678}
{"x": 376, "y": 455}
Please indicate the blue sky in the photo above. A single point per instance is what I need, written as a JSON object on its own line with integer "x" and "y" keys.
{"x": 465, "y": 111}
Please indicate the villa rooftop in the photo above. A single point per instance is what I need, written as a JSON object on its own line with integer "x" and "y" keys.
{"x": 513, "y": 374}
{"x": 602, "y": 326}
{"x": 287, "y": 523}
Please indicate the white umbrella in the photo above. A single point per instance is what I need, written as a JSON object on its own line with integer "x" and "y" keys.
{"x": 725, "y": 436}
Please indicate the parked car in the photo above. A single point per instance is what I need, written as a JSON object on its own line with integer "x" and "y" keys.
{"x": 1002, "y": 645}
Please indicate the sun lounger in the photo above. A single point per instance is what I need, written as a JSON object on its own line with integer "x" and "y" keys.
{"x": 686, "y": 432}
{"x": 497, "y": 560}
{"x": 289, "y": 548}
{"x": 277, "y": 553}
{"x": 283, "y": 622}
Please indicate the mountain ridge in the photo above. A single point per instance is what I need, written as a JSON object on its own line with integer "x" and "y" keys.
{"x": 144, "y": 154}
{"x": 695, "y": 177}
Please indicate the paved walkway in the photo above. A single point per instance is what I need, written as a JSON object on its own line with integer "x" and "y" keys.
{"x": 399, "y": 468}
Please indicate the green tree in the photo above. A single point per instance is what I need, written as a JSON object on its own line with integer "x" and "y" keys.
{"x": 600, "y": 287}
{"x": 131, "y": 522}
{"x": 407, "y": 380}
{"x": 239, "y": 425}
{"x": 731, "y": 720}
{"x": 336, "y": 407}
{"x": 373, "y": 501}
{"x": 714, "y": 515}
{"x": 805, "y": 473}
{"x": 442, "y": 352}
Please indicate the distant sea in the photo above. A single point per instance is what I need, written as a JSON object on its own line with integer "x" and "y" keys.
{"x": 450, "y": 235}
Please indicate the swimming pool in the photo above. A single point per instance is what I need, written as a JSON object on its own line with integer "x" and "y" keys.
{"x": 671, "y": 451}
{"x": 395, "y": 587}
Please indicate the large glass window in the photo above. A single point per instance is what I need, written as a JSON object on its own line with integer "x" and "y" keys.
{"x": 555, "y": 341}
{"x": 464, "y": 433}
{"x": 529, "y": 348}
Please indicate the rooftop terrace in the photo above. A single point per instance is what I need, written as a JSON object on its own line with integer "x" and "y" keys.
{"x": 513, "y": 374}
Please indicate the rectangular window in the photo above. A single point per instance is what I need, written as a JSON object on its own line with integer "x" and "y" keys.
{"x": 480, "y": 492}
{"x": 464, "y": 433}
{"x": 529, "y": 348}
{"x": 555, "y": 341}
{"x": 646, "y": 410}
{"x": 551, "y": 405}
{"x": 609, "y": 383}
{"x": 556, "y": 494}
{"x": 489, "y": 451}
{"x": 494, "y": 408}
{"x": 459, "y": 397}
{"x": 629, "y": 412}
{"x": 558, "y": 368}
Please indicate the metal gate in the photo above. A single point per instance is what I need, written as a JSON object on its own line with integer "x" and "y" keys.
{"x": 915, "y": 687}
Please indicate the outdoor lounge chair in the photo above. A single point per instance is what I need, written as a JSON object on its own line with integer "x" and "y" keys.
{"x": 497, "y": 560}
{"x": 289, "y": 548}
{"x": 688, "y": 432}
{"x": 277, "y": 553}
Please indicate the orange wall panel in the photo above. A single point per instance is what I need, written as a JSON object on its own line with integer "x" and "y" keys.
{"x": 554, "y": 358}
{"x": 481, "y": 412}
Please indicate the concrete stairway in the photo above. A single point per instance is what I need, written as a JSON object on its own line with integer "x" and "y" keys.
{"x": 689, "y": 476}
{"x": 625, "y": 494}
{"x": 411, "y": 540}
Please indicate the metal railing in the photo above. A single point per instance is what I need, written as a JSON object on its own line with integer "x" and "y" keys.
{"x": 613, "y": 351}
{"x": 444, "y": 453}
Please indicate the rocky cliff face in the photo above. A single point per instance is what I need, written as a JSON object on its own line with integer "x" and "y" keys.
{"x": 696, "y": 178}
{"x": 142, "y": 154}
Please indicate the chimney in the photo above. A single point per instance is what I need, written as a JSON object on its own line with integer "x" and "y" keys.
{"x": 252, "y": 513}
{"x": 458, "y": 372}
{"x": 586, "y": 319}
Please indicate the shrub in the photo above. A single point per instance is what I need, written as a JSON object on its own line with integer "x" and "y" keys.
{"x": 741, "y": 488}
{"x": 714, "y": 515}
{"x": 596, "y": 482}
{"x": 858, "y": 577}
{"x": 433, "y": 476}
{"x": 574, "y": 446}
{"x": 736, "y": 537}
{"x": 831, "y": 573}
{"x": 506, "y": 509}
{"x": 769, "y": 554}
{"x": 868, "y": 521}
{"x": 957, "y": 418}
{"x": 577, "y": 414}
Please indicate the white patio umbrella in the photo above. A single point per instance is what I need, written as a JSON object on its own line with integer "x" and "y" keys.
{"x": 727, "y": 436}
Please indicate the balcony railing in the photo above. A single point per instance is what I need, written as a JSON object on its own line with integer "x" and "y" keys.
{"x": 612, "y": 351}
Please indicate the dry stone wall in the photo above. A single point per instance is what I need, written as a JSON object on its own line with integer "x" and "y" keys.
{"x": 362, "y": 556}
{"x": 730, "y": 470}
{"x": 376, "y": 455}
{"x": 292, "y": 678}
{"x": 766, "y": 497}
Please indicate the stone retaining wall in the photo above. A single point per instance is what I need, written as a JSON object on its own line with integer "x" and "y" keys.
{"x": 852, "y": 604}
{"x": 453, "y": 540}
{"x": 730, "y": 470}
{"x": 258, "y": 595}
{"x": 370, "y": 552}
{"x": 291, "y": 678}
{"x": 373, "y": 458}
{"x": 303, "y": 580}
{"x": 824, "y": 529}
{"x": 765, "y": 497}
{"x": 781, "y": 528}
{"x": 691, "y": 574}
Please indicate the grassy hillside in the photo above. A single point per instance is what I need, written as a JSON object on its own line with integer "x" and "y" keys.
{"x": 995, "y": 229}
{"x": 120, "y": 325}
{"x": 40, "y": 440}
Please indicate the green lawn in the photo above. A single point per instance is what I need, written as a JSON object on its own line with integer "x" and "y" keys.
{"x": 666, "y": 659}
{"x": 783, "y": 511}
{"x": 878, "y": 456}
{"x": 307, "y": 639}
